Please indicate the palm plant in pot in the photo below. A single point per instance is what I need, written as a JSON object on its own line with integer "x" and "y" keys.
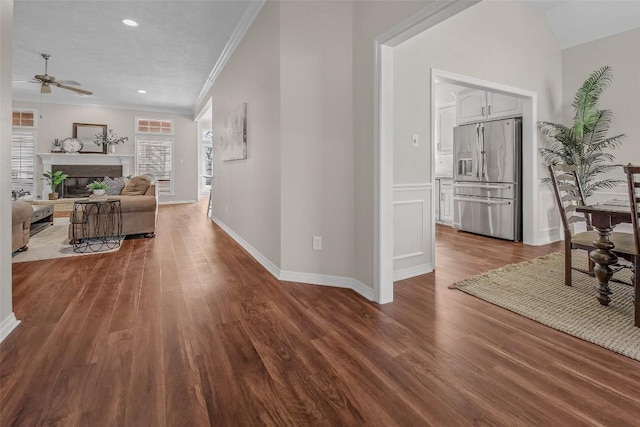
{"x": 54, "y": 179}
{"x": 585, "y": 144}
{"x": 98, "y": 188}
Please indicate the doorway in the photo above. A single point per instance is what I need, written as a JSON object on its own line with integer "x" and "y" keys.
{"x": 458, "y": 83}
{"x": 384, "y": 142}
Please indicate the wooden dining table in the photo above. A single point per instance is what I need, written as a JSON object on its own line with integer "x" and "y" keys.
{"x": 604, "y": 218}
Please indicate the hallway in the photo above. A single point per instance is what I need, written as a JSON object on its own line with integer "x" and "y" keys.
{"x": 187, "y": 329}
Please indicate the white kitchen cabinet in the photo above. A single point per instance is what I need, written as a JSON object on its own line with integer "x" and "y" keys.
{"x": 444, "y": 204}
{"x": 471, "y": 106}
{"x": 479, "y": 105}
{"x": 445, "y": 122}
{"x": 499, "y": 106}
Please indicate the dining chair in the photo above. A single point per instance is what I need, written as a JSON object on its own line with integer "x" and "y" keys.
{"x": 633, "y": 180}
{"x": 569, "y": 196}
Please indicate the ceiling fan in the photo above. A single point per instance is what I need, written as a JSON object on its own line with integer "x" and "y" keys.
{"x": 47, "y": 81}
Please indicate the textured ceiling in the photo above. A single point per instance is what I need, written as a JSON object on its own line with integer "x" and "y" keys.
{"x": 575, "y": 22}
{"x": 170, "y": 55}
{"x": 177, "y": 44}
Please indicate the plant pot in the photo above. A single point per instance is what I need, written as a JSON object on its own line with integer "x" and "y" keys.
{"x": 99, "y": 192}
{"x": 112, "y": 149}
{"x": 53, "y": 196}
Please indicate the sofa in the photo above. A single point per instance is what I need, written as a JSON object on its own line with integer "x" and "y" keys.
{"x": 21, "y": 213}
{"x": 138, "y": 205}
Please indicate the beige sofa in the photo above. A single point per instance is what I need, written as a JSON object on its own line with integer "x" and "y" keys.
{"x": 139, "y": 215}
{"x": 21, "y": 213}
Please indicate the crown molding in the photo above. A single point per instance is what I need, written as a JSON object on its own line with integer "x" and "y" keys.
{"x": 238, "y": 34}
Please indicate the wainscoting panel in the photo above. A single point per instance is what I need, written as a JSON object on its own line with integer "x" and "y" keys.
{"x": 412, "y": 225}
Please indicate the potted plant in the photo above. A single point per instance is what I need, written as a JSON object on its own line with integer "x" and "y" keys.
{"x": 98, "y": 188}
{"x": 585, "y": 144}
{"x": 110, "y": 140}
{"x": 54, "y": 179}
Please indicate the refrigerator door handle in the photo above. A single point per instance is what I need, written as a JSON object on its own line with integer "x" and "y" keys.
{"x": 487, "y": 186}
{"x": 478, "y": 149}
{"x": 483, "y": 201}
{"x": 483, "y": 153}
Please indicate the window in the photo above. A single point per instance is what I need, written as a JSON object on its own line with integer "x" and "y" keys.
{"x": 154, "y": 151}
{"x": 163, "y": 127}
{"x": 206, "y": 158}
{"x": 155, "y": 156}
{"x": 23, "y": 150}
{"x": 23, "y": 118}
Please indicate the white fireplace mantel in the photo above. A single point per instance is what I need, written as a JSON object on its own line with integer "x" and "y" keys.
{"x": 50, "y": 159}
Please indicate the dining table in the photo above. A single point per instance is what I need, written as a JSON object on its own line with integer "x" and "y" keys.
{"x": 604, "y": 217}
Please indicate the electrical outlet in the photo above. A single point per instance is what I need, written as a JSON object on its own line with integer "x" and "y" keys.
{"x": 317, "y": 243}
{"x": 415, "y": 140}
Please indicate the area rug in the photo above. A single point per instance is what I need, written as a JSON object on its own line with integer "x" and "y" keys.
{"x": 52, "y": 242}
{"x": 536, "y": 290}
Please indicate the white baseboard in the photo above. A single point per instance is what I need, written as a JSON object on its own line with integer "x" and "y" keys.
{"x": 8, "y": 325}
{"x": 294, "y": 276}
{"x": 263, "y": 260}
{"x": 409, "y": 272}
{"x": 327, "y": 280}
{"x": 549, "y": 235}
{"x": 175, "y": 202}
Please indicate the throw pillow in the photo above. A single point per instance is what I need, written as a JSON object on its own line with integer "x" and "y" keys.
{"x": 115, "y": 185}
{"x": 136, "y": 186}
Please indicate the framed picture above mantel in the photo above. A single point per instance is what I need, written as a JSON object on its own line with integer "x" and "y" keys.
{"x": 86, "y": 133}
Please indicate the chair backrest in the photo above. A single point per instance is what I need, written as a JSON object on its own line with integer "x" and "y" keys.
{"x": 633, "y": 179}
{"x": 569, "y": 195}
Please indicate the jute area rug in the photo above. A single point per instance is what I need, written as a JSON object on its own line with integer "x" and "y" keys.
{"x": 536, "y": 290}
{"x": 52, "y": 242}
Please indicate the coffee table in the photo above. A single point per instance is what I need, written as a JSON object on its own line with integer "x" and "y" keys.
{"x": 100, "y": 218}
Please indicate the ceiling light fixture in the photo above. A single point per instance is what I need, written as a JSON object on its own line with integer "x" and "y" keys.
{"x": 130, "y": 22}
{"x": 142, "y": 91}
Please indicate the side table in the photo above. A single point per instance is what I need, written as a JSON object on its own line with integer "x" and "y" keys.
{"x": 99, "y": 218}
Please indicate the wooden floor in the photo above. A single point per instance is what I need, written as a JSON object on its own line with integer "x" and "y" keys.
{"x": 187, "y": 329}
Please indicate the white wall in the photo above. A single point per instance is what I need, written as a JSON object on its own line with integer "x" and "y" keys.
{"x": 57, "y": 120}
{"x": 502, "y": 42}
{"x": 7, "y": 318}
{"x": 316, "y": 136}
{"x": 370, "y": 19}
{"x": 622, "y": 97}
{"x": 246, "y": 193}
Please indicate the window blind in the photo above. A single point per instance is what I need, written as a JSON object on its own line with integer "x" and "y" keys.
{"x": 23, "y": 160}
{"x": 155, "y": 157}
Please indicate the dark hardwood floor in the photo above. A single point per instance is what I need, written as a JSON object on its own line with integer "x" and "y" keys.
{"x": 187, "y": 329}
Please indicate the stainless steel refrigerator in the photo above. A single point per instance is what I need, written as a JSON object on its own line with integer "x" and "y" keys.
{"x": 487, "y": 187}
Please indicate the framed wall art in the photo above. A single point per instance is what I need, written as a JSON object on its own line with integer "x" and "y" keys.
{"x": 234, "y": 138}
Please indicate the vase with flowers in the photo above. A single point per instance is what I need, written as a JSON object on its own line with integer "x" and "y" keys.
{"x": 110, "y": 140}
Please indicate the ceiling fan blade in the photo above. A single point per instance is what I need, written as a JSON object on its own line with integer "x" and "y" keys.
{"x": 44, "y": 78}
{"x": 69, "y": 82}
{"x": 45, "y": 88}
{"x": 75, "y": 89}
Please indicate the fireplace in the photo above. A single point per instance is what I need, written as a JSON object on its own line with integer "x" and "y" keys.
{"x": 81, "y": 175}
{"x": 66, "y": 161}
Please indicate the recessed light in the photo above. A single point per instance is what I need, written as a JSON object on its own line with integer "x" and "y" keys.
{"x": 130, "y": 22}
{"x": 142, "y": 91}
